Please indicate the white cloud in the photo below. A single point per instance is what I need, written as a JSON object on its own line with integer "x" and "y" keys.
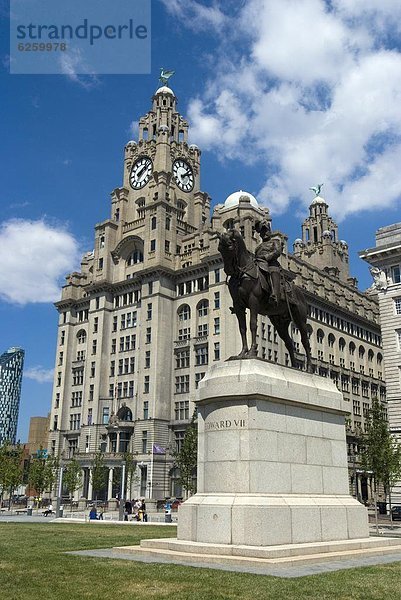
{"x": 75, "y": 67}
{"x": 39, "y": 374}
{"x": 34, "y": 257}
{"x": 133, "y": 130}
{"x": 196, "y": 16}
{"x": 314, "y": 96}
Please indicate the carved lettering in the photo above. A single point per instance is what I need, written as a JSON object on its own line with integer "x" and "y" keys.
{"x": 225, "y": 424}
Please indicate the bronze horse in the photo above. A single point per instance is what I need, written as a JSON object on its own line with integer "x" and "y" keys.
{"x": 247, "y": 292}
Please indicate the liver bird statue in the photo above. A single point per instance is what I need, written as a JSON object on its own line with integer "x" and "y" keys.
{"x": 165, "y": 76}
{"x": 317, "y": 188}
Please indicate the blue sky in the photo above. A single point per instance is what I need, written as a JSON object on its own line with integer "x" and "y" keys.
{"x": 280, "y": 96}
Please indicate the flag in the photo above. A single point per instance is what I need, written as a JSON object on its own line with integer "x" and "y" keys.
{"x": 158, "y": 449}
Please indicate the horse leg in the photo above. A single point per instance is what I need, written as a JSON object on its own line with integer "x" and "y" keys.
{"x": 254, "y": 327}
{"x": 306, "y": 344}
{"x": 241, "y": 316}
{"x": 281, "y": 324}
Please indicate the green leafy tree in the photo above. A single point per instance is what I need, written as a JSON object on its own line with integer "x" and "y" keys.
{"x": 186, "y": 458}
{"x": 380, "y": 454}
{"x": 130, "y": 472}
{"x": 42, "y": 473}
{"x": 11, "y": 469}
{"x": 72, "y": 478}
{"x": 99, "y": 474}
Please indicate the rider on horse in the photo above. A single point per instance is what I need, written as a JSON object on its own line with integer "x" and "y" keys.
{"x": 266, "y": 255}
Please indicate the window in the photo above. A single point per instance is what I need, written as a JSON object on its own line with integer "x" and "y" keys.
{"x": 148, "y": 335}
{"x": 96, "y": 323}
{"x": 75, "y": 421}
{"x": 76, "y": 399}
{"x": 90, "y": 416}
{"x": 397, "y": 306}
{"x": 60, "y": 358}
{"x": 152, "y": 245}
{"x": 167, "y": 246}
{"x": 203, "y": 307}
{"x": 398, "y": 333}
{"x": 94, "y": 346}
{"x": 184, "y": 334}
{"x": 144, "y": 442}
{"x": 112, "y": 368}
{"x": 203, "y": 330}
{"x": 101, "y": 241}
{"x": 356, "y": 408}
{"x": 182, "y": 359}
{"x": 331, "y": 339}
{"x": 198, "y": 378}
{"x": 146, "y": 410}
{"x": 319, "y": 336}
{"x": 168, "y": 221}
{"x": 149, "y": 312}
{"x": 150, "y": 287}
{"x": 217, "y": 325}
{"x": 395, "y": 274}
{"x": 115, "y": 319}
{"x": 72, "y": 447}
{"x": 77, "y": 377}
{"x": 62, "y": 337}
{"x": 57, "y": 400}
{"x": 201, "y": 356}
{"x": 217, "y": 275}
{"x": 179, "y": 440}
{"x": 355, "y": 386}
{"x": 55, "y": 422}
{"x": 97, "y": 303}
{"x": 147, "y": 359}
{"x": 111, "y": 390}
{"x": 181, "y": 410}
{"x": 105, "y": 415}
{"x": 100, "y": 263}
{"x": 146, "y": 384}
{"x": 217, "y": 300}
{"x": 184, "y": 313}
{"x": 153, "y": 223}
{"x": 217, "y": 351}
{"x": 81, "y": 336}
{"x": 91, "y": 391}
{"x": 135, "y": 258}
{"x": 80, "y": 355}
{"x": 93, "y": 369}
{"x": 182, "y": 384}
{"x": 131, "y": 389}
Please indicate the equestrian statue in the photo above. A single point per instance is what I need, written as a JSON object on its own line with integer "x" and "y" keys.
{"x": 257, "y": 282}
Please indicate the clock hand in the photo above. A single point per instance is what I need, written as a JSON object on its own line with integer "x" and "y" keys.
{"x": 139, "y": 174}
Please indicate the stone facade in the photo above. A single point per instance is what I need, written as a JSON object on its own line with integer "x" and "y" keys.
{"x": 148, "y": 313}
{"x": 385, "y": 259}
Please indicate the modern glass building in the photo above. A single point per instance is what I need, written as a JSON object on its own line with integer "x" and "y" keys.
{"x": 11, "y": 365}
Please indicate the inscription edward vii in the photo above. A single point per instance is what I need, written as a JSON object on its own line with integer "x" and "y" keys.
{"x": 225, "y": 424}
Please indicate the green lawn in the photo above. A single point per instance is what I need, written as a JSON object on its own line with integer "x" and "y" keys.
{"x": 32, "y": 565}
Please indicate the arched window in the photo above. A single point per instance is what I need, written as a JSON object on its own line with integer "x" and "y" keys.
{"x": 81, "y": 336}
{"x": 184, "y": 313}
{"x": 352, "y": 348}
{"x": 168, "y": 222}
{"x": 135, "y": 257}
{"x": 371, "y": 355}
{"x": 101, "y": 241}
{"x": 320, "y": 336}
{"x": 153, "y": 223}
{"x": 341, "y": 344}
{"x": 379, "y": 358}
{"x": 331, "y": 339}
{"x": 361, "y": 351}
{"x": 203, "y": 308}
{"x": 229, "y": 224}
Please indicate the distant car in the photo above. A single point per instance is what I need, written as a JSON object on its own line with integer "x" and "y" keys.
{"x": 396, "y": 513}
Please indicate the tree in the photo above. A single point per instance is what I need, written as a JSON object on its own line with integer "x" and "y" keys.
{"x": 72, "y": 478}
{"x": 380, "y": 454}
{"x": 186, "y": 458}
{"x": 130, "y": 470}
{"x": 99, "y": 474}
{"x": 11, "y": 469}
{"x": 42, "y": 473}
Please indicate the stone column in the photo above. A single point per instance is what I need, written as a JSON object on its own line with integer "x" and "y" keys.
{"x": 110, "y": 484}
{"x": 90, "y": 485}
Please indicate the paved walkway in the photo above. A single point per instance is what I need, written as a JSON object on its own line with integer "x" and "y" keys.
{"x": 275, "y": 571}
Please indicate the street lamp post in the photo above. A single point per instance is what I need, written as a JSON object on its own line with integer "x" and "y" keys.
{"x": 59, "y": 492}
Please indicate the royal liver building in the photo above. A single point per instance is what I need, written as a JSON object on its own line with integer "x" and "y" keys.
{"x": 148, "y": 314}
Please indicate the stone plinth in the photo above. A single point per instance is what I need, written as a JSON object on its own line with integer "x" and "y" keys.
{"x": 272, "y": 460}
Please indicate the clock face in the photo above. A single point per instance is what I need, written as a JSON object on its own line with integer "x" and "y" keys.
{"x": 141, "y": 172}
{"x": 183, "y": 175}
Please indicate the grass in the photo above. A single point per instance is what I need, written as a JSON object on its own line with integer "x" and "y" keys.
{"x": 33, "y": 566}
